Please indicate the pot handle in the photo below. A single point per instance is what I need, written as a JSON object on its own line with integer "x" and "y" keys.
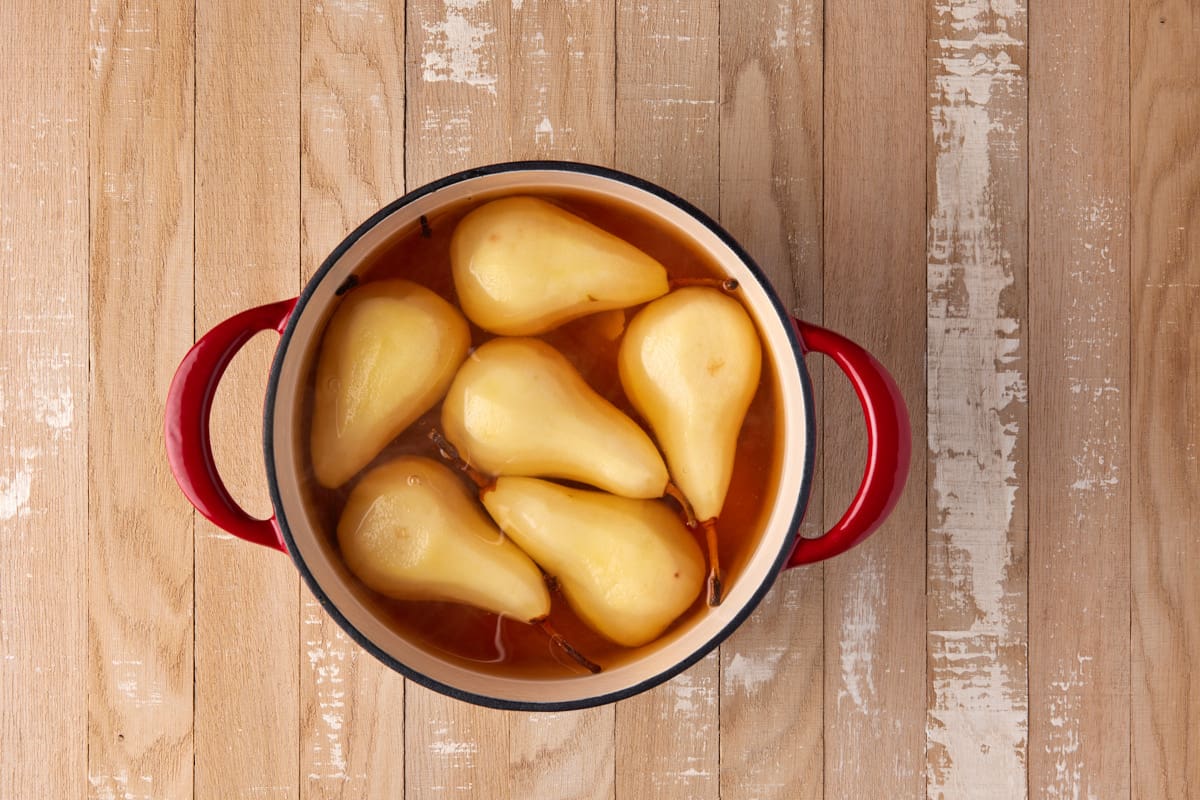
{"x": 189, "y": 404}
{"x": 889, "y": 445}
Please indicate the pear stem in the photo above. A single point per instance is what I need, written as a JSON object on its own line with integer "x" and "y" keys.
{"x": 450, "y": 453}
{"x": 689, "y": 516}
{"x": 567, "y": 647}
{"x": 715, "y": 586}
{"x": 724, "y": 284}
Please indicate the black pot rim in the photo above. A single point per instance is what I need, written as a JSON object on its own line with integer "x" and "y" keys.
{"x": 272, "y": 473}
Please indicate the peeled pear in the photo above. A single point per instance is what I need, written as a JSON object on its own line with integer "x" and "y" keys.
{"x": 388, "y": 355}
{"x": 627, "y": 567}
{"x": 518, "y": 407}
{"x": 412, "y": 530}
{"x": 523, "y": 266}
{"x": 690, "y": 364}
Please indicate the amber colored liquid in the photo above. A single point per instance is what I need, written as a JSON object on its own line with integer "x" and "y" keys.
{"x": 505, "y": 646}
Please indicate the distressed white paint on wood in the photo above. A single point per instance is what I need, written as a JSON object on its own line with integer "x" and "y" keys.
{"x": 1094, "y": 481}
{"x": 456, "y": 86}
{"x": 1071, "y": 779}
{"x": 328, "y": 658}
{"x": 455, "y": 46}
{"x": 667, "y": 738}
{"x": 1079, "y": 365}
{"x": 978, "y": 705}
{"x": 858, "y": 639}
{"x": 451, "y": 749}
{"x": 352, "y": 716}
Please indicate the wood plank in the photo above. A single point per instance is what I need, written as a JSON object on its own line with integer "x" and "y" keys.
{"x": 875, "y": 266}
{"x": 562, "y": 77}
{"x": 44, "y": 419}
{"x": 667, "y": 131}
{"x": 977, "y": 721}
{"x": 1165, "y": 396}
{"x": 565, "y": 755}
{"x": 352, "y": 162}
{"x": 668, "y": 84}
{"x": 140, "y": 542}
{"x": 772, "y": 677}
{"x": 561, "y": 71}
{"x": 452, "y": 749}
{"x": 1079, "y": 399}
{"x": 247, "y": 253}
{"x": 489, "y": 84}
{"x": 457, "y": 106}
{"x": 456, "y": 57}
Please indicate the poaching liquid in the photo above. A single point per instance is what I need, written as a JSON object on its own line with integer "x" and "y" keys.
{"x": 479, "y": 639}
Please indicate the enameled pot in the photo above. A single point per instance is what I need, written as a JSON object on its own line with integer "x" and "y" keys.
{"x": 293, "y": 529}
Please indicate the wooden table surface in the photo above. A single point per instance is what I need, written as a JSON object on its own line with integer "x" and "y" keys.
{"x": 1001, "y": 202}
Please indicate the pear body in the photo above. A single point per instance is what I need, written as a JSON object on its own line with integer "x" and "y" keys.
{"x": 523, "y": 266}
{"x": 388, "y": 354}
{"x": 411, "y": 530}
{"x": 518, "y": 407}
{"x": 690, "y": 364}
{"x": 627, "y": 567}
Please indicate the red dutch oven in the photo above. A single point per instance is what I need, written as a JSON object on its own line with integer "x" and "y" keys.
{"x": 295, "y": 529}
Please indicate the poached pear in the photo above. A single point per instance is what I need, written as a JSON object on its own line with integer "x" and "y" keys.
{"x": 627, "y": 567}
{"x": 690, "y": 364}
{"x": 518, "y": 407}
{"x": 388, "y": 354}
{"x": 523, "y": 266}
{"x": 412, "y": 530}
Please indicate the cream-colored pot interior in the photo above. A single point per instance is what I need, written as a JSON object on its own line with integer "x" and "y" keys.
{"x": 345, "y": 599}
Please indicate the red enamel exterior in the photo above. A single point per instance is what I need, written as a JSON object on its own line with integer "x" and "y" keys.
{"x": 189, "y": 405}
{"x": 889, "y": 445}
